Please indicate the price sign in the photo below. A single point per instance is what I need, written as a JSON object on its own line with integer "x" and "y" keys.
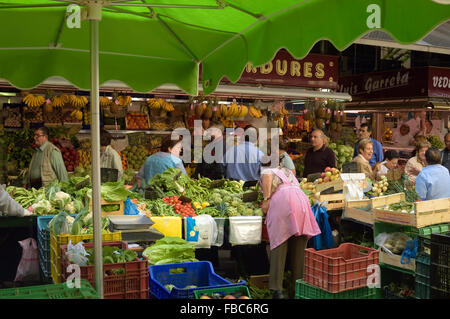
{"x": 136, "y": 139}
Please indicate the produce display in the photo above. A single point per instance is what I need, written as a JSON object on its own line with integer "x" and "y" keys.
{"x": 14, "y": 118}
{"x": 159, "y": 125}
{"x": 170, "y": 250}
{"x": 183, "y": 209}
{"x": 344, "y": 153}
{"x": 435, "y": 142}
{"x": 135, "y": 156}
{"x": 401, "y": 207}
{"x": 112, "y": 255}
{"x": 53, "y": 117}
{"x": 329, "y": 175}
{"x": 379, "y": 187}
{"x": 137, "y": 121}
{"x": 70, "y": 155}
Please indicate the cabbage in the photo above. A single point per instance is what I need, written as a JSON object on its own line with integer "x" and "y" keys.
{"x": 114, "y": 192}
{"x": 170, "y": 250}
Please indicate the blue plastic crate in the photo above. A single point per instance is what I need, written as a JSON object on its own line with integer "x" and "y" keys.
{"x": 200, "y": 274}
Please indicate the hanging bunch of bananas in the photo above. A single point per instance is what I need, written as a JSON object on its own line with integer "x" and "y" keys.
{"x": 168, "y": 107}
{"x": 104, "y": 101}
{"x": 283, "y": 111}
{"x": 155, "y": 104}
{"x": 78, "y": 101}
{"x": 33, "y": 101}
{"x": 227, "y": 123}
{"x": 60, "y": 100}
{"x": 254, "y": 112}
{"x": 124, "y": 100}
{"x": 77, "y": 115}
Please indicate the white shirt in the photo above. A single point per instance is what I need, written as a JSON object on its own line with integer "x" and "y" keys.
{"x": 111, "y": 159}
{"x": 383, "y": 170}
{"x": 402, "y": 140}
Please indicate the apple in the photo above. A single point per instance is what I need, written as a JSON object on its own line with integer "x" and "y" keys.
{"x": 229, "y": 297}
{"x": 304, "y": 180}
{"x": 322, "y": 175}
{"x": 320, "y": 180}
{"x": 326, "y": 179}
{"x": 205, "y": 297}
{"x": 327, "y": 169}
{"x": 243, "y": 297}
{"x": 328, "y": 173}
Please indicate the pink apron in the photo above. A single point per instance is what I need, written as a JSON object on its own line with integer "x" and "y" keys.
{"x": 289, "y": 213}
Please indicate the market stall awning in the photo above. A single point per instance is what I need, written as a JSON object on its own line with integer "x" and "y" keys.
{"x": 146, "y": 44}
{"x": 437, "y": 41}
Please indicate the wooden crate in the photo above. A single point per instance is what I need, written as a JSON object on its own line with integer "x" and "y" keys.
{"x": 337, "y": 184}
{"x": 353, "y": 211}
{"x": 380, "y": 201}
{"x": 426, "y": 213}
{"x": 117, "y": 212}
{"x": 395, "y": 260}
{"x": 335, "y": 201}
{"x": 260, "y": 281}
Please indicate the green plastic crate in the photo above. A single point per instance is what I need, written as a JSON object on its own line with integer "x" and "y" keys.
{"x": 223, "y": 291}
{"x": 425, "y": 235}
{"x": 55, "y": 291}
{"x": 306, "y": 291}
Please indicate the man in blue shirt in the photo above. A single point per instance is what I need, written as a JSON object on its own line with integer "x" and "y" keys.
{"x": 243, "y": 161}
{"x": 433, "y": 181}
{"x": 364, "y": 132}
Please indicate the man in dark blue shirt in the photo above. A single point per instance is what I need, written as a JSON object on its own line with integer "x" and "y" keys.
{"x": 365, "y": 131}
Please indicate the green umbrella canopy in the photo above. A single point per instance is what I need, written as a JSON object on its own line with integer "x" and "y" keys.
{"x": 145, "y": 47}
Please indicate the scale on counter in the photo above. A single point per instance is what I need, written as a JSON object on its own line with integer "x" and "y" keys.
{"x": 134, "y": 228}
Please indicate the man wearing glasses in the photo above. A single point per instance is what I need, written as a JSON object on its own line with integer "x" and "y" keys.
{"x": 47, "y": 162}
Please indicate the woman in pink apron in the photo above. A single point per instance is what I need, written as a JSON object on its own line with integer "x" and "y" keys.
{"x": 290, "y": 223}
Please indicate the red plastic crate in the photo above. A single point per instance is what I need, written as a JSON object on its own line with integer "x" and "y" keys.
{"x": 131, "y": 285}
{"x": 339, "y": 269}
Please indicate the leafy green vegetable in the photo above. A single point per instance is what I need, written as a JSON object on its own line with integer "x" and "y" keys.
{"x": 170, "y": 250}
{"x": 114, "y": 192}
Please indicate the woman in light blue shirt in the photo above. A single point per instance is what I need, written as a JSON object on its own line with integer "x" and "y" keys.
{"x": 169, "y": 157}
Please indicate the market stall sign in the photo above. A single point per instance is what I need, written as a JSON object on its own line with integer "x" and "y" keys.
{"x": 390, "y": 84}
{"x": 439, "y": 82}
{"x": 315, "y": 71}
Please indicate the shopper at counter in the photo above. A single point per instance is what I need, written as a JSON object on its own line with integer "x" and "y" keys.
{"x": 46, "y": 164}
{"x": 243, "y": 161}
{"x": 213, "y": 168}
{"x": 416, "y": 163}
{"x": 390, "y": 162}
{"x": 446, "y": 152}
{"x": 9, "y": 207}
{"x": 434, "y": 180}
{"x": 290, "y": 223}
{"x": 109, "y": 158}
{"x": 285, "y": 159}
{"x": 365, "y": 131}
{"x": 319, "y": 156}
{"x": 365, "y": 150}
{"x": 402, "y": 137}
{"x": 169, "y": 157}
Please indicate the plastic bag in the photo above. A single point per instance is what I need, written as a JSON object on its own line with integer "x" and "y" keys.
{"x": 202, "y": 230}
{"x": 393, "y": 243}
{"x": 325, "y": 239}
{"x": 77, "y": 254}
{"x": 130, "y": 208}
{"x": 245, "y": 230}
{"x": 28, "y": 269}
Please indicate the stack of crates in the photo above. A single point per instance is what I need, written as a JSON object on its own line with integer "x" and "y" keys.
{"x": 338, "y": 273}
{"x": 440, "y": 266}
{"x": 423, "y": 262}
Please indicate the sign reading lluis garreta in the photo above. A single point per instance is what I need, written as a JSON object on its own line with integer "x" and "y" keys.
{"x": 404, "y": 83}
{"x": 315, "y": 71}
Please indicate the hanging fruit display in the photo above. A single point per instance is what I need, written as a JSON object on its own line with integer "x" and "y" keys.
{"x": 137, "y": 121}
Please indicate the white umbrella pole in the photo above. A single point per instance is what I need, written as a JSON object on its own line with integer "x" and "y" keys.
{"x": 95, "y": 155}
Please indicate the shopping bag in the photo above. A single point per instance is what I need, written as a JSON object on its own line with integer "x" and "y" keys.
{"x": 130, "y": 208}
{"x": 325, "y": 239}
{"x": 28, "y": 269}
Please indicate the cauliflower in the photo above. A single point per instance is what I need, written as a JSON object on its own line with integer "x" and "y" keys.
{"x": 70, "y": 207}
{"x": 43, "y": 207}
{"x": 61, "y": 199}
